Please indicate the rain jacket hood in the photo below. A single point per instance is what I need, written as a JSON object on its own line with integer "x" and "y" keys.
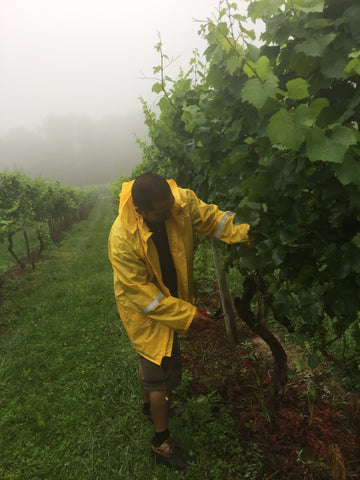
{"x": 149, "y": 313}
{"x": 129, "y": 217}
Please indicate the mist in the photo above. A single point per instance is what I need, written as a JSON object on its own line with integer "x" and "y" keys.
{"x": 72, "y": 73}
{"x": 74, "y": 149}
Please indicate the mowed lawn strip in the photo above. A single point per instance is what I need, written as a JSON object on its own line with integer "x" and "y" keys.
{"x": 69, "y": 395}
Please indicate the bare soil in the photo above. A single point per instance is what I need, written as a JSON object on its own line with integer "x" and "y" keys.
{"x": 315, "y": 432}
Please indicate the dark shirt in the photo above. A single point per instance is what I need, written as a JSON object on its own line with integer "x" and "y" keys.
{"x": 161, "y": 241}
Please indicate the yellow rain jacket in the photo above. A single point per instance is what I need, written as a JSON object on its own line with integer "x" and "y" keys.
{"x": 149, "y": 313}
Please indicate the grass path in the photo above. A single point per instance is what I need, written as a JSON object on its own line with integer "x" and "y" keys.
{"x": 69, "y": 394}
{"x": 70, "y": 402}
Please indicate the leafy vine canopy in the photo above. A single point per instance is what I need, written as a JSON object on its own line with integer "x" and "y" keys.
{"x": 270, "y": 130}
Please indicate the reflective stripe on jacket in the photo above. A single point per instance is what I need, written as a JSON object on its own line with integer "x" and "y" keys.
{"x": 149, "y": 313}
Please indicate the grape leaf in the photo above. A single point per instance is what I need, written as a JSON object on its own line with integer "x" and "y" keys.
{"x": 233, "y": 63}
{"x": 333, "y": 64}
{"x": 262, "y": 67}
{"x": 315, "y": 46}
{"x": 308, "y": 6}
{"x": 297, "y": 89}
{"x": 157, "y": 87}
{"x": 348, "y": 171}
{"x": 257, "y": 92}
{"x": 263, "y": 8}
{"x": 353, "y": 66}
{"x": 344, "y": 136}
{"x": 329, "y": 149}
{"x": 318, "y": 105}
{"x": 304, "y": 116}
{"x": 283, "y": 130}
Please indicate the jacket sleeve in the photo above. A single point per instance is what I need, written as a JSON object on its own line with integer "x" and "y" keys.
{"x": 137, "y": 291}
{"x": 212, "y": 222}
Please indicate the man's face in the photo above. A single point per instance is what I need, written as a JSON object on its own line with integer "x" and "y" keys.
{"x": 160, "y": 212}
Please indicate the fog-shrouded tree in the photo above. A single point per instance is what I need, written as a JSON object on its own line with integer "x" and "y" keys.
{"x": 75, "y": 149}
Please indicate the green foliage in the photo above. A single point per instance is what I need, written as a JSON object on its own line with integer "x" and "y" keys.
{"x": 33, "y": 203}
{"x": 272, "y": 133}
{"x": 219, "y": 452}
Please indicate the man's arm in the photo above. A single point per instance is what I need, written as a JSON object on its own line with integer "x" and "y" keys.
{"x": 200, "y": 322}
{"x": 131, "y": 279}
{"x": 212, "y": 222}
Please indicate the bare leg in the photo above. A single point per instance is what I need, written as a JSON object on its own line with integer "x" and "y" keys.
{"x": 160, "y": 404}
{"x": 165, "y": 448}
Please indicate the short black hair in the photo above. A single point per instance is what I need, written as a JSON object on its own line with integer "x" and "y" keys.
{"x": 148, "y": 188}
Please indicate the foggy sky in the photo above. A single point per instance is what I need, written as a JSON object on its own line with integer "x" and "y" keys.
{"x": 75, "y": 150}
{"x": 87, "y": 57}
{"x": 85, "y": 61}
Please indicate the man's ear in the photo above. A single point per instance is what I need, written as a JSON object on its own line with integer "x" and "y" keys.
{"x": 139, "y": 211}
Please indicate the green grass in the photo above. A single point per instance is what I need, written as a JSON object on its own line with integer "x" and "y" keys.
{"x": 69, "y": 395}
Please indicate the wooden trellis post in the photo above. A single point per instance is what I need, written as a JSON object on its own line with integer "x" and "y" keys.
{"x": 226, "y": 302}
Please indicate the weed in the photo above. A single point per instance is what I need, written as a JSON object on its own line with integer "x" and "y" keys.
{"x": 220, "y": 453}
{"x": 184, "y": 390}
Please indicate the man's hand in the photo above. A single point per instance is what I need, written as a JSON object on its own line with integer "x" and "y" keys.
{"x": 200, "y": 322}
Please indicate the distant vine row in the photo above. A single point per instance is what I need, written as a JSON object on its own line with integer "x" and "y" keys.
{"x": 46, "y": 208}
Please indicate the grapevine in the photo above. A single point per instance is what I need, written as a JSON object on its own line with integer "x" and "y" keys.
{"x": 37, "y": 204}
{"x": 272, "y": 133}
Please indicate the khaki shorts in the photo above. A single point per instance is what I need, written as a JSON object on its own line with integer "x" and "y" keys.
{"x": 166, "y": 376}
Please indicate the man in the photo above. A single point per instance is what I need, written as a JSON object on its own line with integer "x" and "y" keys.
{"x": 151, "y": 251}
